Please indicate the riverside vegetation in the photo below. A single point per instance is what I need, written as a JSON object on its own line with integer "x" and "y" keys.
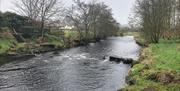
{"x": 158, "y": 68}
{"x": 48, "y": 26}
{"x": 159, "y": 35}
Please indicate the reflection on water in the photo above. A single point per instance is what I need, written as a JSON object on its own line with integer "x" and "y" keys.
{"x": 76, "y": 69}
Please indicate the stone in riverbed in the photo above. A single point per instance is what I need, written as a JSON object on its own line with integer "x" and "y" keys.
{"x": 56, "y": 52}
{"x": 118, "y": 59}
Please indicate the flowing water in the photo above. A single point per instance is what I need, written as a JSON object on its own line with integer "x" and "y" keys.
{"x": 76, "y": 69}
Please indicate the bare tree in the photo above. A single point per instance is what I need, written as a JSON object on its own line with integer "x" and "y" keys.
{"x": 40, "y": 10}
{"x": 178, "y": 12}
{"x": 92, "y": 18}
{"x": 155, "y": 17}
{"x": 80, "y": 15}
{"x": 72, "y": 15}
{"x": 28, "y": 8}
{"x": 95, "y": 12}
{"x": 178, "y": 18}
{"x": 134, "y": 23}
{"x": 49, "y": 8}
{"x": 106, "y": 23}
{"x": 85, "y": 12}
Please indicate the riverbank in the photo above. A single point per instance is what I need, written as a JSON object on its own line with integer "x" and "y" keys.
{"x": 11, "y": 49}
{"x": 158, "y": 68}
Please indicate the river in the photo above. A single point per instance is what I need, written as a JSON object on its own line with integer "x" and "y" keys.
{"x": 76, "y": 69}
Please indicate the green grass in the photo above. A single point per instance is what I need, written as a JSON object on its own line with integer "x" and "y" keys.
{"x": 57, "y": 41}
{"x": 5, "y": 44}
{"x": 71, "y": 34}
{"x": 74, "y": 35}
{"x": 167, "y": 56}
{"x": 161, "y": 57}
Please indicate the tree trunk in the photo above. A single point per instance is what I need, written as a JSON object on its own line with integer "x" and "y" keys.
{"x": 42, "y": 28}
{"x": 86, "y": 33}
{"x": 94, "y": 30}
{"x": 18, "y": 37}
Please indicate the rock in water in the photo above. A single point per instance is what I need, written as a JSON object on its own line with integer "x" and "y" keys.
{"x": 128, "y": 61}
{"x": 124, "y": 60}
{"x": 56, "y": 52}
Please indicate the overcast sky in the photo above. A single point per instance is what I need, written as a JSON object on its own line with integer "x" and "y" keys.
{"x": 121, "y": 8}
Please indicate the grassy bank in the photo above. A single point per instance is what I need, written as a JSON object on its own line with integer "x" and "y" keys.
{"x": 4, "y": 45}
{"x": 159, "y": 68}
{"x": 6, "y": 42}
{"x": 53, "y": 41}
